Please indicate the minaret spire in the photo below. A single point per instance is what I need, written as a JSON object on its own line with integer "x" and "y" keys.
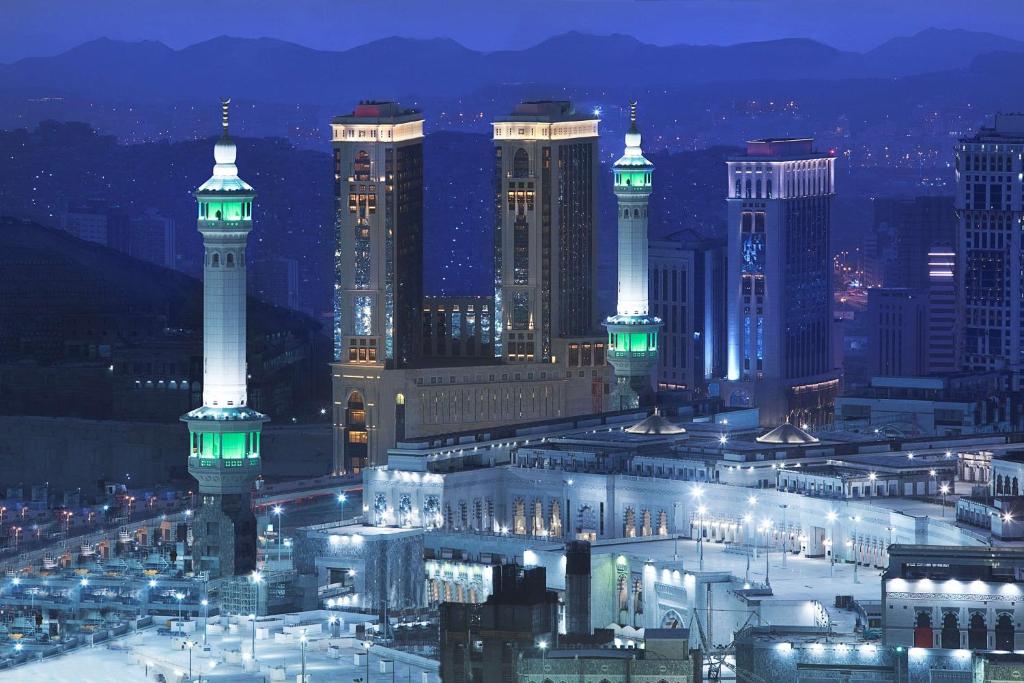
{"x": 633, "y": 331}
{"x": 224, "y": 433}
{"x": 224, "y": 115}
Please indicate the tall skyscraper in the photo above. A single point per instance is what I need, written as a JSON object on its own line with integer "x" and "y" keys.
{"x": 632, "y": 331}
{"x": 896, "y": 321}
{"x": 224, "y": 434}
{"x": 545, "y": 229}
{"x": 915, "y": 225}
{"x": 378, "y": 288}
{"x": 687, "y": 291}
{"x": 989, "y": 247}
{"x": 944, "y": 323}
{"x": 780, "y": 281}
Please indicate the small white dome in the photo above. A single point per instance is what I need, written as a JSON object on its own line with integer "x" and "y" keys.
{"x": 633, "y": 139}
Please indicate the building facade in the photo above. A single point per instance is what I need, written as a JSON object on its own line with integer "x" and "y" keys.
{"x": 943, "y": 316}
{"x": 779, "y": 286}
{"x": 378, "y": 172}
{"x": 989, "y": 212}
{"x": 953, "y": 597}
{"x": 633, "y": 331}
{"x": 224, "y": 433}
{"x": 896, "y": 321}
{"x": 687, "y": 280}
{"x": 545, "y": 229}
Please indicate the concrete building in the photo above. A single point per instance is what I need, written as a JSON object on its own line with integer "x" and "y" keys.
{"x": 224, "y": 433}
{"x": 482, "y": 642}
{"x": 687, "y": 280}
{"x": 779, "y": 287}
{"x": 916, "y": 225}
{"x": 963, "y": 403}
{"x": 633, "y": 332}
{"x": 548, "y": 361}
{"x": 98, "y": 221}
{"x": 953, "y": 597}
{"x": 458, "y": 329}
{"x": 665, "y": 657}
{"x": 545, "y": 229}
{"x": 989, "y": 212}
{"x": 896, "y": 325}
{"x": 378, "y": 172}
{"x": 943, "y": 316}
{"x": 152, "y": 238}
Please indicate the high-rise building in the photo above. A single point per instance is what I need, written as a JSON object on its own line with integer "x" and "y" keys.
{"x": 687, "y": 285}
{"x": 633, "y": 331}
{"x": 98, "y": 221}
{"x": 378, "y": 287}
{"x": 545, "y": 229}
{"x": 896, "y": 332}
{"x": 152, "y": 237}
{"x": 944, "y": 325}
{"x": 916, "y": 225}
{"x": 989, "y": 247}
{"x": 387, "y": 388}
{"x": 224, "y": 433}
{"x": 780, "y": 281}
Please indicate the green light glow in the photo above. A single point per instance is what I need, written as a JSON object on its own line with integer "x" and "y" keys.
{"x": 229, "y": 446}
{"x": 632, "y": 179}
{"x": 635, "y": 342}
{"x": 226, "y": 211}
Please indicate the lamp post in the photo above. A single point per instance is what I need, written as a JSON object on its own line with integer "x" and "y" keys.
{"x": 944, "y": 489}
{"x": 277, "y": 511}
{"x": 702, "y": 510}
{"x": 256, "y": 579}
{"x": 767, "y": 550}
{"x": 785, "y": 535}
{"x": 367, "y": 645}
{"x": 341, "y": 499}
{"x": 190, "y": 644}
{"x": 831, "y": 516}
{"x": 853, "y": 547}
{"x": 206, "y": 617}
{"x": 543, "y": 645}
{"x": 746, "y": 520}
{"x": 302, "y": 652}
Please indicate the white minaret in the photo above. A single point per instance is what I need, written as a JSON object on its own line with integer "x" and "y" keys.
{"x": 224, "y": 454}
{"x": 632, "y": 333}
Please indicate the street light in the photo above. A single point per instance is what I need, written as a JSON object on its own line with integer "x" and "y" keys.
{"x": 302, "y": 650}
{"x": 206, "y": 617}
{"x": 853, "y": 548}
{"x": 831, "y": 516}
{"x": 341, "y": 499}
{"x": 256, "y": 579}
{"x": 367, "y": 645}
{"x": 277, "y": 511}
{"x": 767, "y": 526}
{"x": 543, "y": 645}
{"x": 785, "y": 535}
{"x": 190, "y": 644}
{"x": 702, "y": 510}
{"x": 944, "y": 489}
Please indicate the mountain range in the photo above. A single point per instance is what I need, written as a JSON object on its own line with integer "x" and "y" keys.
{"x": 270, "y": 70}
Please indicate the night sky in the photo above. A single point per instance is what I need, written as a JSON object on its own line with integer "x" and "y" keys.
{"x": 44, "y": 27}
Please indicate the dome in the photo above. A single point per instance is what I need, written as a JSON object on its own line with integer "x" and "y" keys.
{"x": 633, "y": 139}
{"x": 655, "y": 425}
{"x": 787, "y": 434}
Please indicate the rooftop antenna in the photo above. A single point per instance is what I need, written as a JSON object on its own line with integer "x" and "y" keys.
{"x": 224, "y": 115}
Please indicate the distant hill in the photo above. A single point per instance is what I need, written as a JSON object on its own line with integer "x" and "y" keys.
{"x": 271, "y": 70}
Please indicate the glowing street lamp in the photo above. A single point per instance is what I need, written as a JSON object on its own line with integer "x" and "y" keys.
{"x": 944, "y": 489}
{"x": 702, "y": 510}
{"x": 341, "y": 499}
{"x": 832, "y": 516}
{"x": 277, "y": 511}
{"x": 256, "y": 579}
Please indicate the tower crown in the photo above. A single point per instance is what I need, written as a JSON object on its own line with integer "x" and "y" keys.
{"x": 633, "y": 170}
{"x": 225, "y": 173}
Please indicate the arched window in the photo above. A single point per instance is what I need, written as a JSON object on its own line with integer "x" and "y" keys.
{"x": 977, "y": 632}
{"x": 521, "y": 164}
{"x": 1016, "y": 490}
{"x": 636, "y": 213}
{"x": 215, "y": 261}
{"x": 923, "y": 630}
{"x": 999, "y": 484}
{"x": 950, "y": 638}
{"x": 1004, "y": 632}
{"x": 230, "y": 260}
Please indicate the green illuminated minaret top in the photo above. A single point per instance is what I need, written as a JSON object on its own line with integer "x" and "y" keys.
{"x": 633, "y": 171}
